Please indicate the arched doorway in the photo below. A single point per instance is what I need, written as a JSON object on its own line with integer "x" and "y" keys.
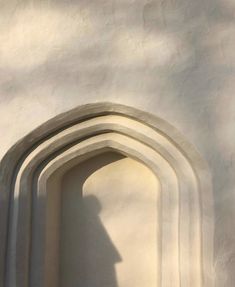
{"x": 102, "y": 224}
{"x": 186, "y": 205}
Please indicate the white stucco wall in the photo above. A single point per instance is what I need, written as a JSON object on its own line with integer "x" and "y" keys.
{"x": 174, "y": 59}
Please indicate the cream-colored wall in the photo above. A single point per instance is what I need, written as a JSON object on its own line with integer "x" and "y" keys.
{"x": 108, "y": 233}
{"x": 174, "y": 59}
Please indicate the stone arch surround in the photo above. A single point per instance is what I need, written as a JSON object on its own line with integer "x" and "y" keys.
{"x": 186, "y": 212}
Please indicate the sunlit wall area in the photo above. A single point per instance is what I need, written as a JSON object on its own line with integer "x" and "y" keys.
{"x": 174, "y": 59}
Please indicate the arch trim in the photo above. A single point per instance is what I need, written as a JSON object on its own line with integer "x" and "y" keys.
{"x": 16, "y": 156}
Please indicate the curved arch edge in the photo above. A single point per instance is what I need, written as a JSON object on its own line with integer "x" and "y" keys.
{"x": 13, "y": 159}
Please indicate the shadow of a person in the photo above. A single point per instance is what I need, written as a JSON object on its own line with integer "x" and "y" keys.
{"x": 89, "y": 255}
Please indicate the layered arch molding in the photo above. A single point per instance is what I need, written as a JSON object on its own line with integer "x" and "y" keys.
{"x": 185, "y": 212}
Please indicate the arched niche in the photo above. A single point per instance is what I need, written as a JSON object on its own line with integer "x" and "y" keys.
{"x": 95, "y": 212}
{"x": 185, "y": 217}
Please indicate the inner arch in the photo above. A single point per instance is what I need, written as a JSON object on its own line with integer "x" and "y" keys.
{"x": 102, "y": 224}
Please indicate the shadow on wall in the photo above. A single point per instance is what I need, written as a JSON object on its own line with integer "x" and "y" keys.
{"x": 154, "y": 54}
{"x": 88, "y": 255}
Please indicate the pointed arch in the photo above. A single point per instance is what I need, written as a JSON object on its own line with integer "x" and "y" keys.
{"x": 186, "y": 215}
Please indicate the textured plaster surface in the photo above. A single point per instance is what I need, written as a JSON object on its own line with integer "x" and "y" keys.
{"x": 174, "y": 59}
